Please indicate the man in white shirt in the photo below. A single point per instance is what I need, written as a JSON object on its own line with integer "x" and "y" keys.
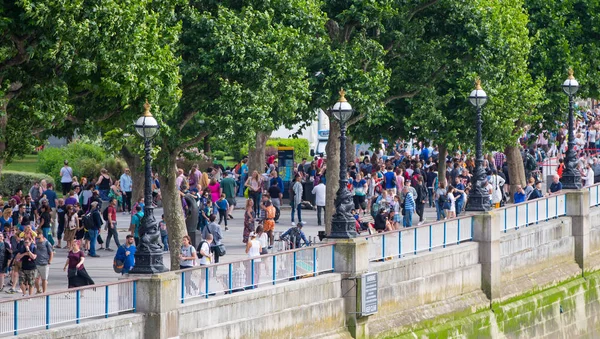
{"x": 319, "y": 192}
{"x": 204, "y": 252}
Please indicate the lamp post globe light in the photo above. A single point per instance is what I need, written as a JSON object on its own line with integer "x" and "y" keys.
{"x": 342, "y": 221}
{"x": 149, "y": 254}
{"x": 479, "y": 198}
{"x": 571, "y": 179}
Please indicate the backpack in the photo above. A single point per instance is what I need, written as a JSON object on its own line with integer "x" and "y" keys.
{"x": 118, "y": 265}
{"x": 530, "y": 165}
{"x": 200, "y": 256}
{"x": 105, "y": 214}
{"x": 88, "y": 221}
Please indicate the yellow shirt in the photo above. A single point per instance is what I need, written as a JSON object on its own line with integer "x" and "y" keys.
{"x": 33, "y": 233}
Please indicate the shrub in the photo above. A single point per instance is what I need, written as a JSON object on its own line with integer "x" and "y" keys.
{"x": 85, "y": 159}
{"x": 11, "y": 180}
{"x": 218, "y": 155}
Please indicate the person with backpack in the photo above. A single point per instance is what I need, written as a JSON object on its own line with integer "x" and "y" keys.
{"x": 93, "y": 227}
{"x": 110, "y": 217}
{"x": 136, "y": 220}
{"x": 441, "y": 199}
{"x": 421, "y": 198}
{"x": 530, "y": 164}
{"x": 125, "y": 256}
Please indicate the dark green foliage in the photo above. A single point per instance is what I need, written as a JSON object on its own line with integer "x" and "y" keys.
{"x": 11, "y": 180}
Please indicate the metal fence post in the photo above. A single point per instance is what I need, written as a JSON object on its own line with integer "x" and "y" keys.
{"x": 429, "y": 238}
{"x": 47, "y": 312}
{"x": 252, "y": 272}
{"x": 458, "y": 232}
{"x": 314, "y": 261}
{"x": 230, "y": 278}
{"x": 444, "y": 244}
{"x": 134, "y": 301}
{"x": 207, "y": 277}
{"x": 77, "y": 305}
{"x": 415, "y": 229}
{"x": 106, "y": 301}
{"x": 16, "y": 317}
{"x": 400, "y": 244}
{"x": 182, "y": 287}
{"x": 295, "y": 265}
{"x": 274, "y": 269}
{"x": 383, "y": 246}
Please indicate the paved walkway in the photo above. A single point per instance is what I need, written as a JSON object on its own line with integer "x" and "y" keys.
{"x": 100, "y": 269}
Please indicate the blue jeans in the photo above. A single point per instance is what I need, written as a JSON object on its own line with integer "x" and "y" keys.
{"x": 430, "y": 196}
{"x": 93, "y": 240}
{"x": 243, "y": 179}
{"x": 299, "y": 208}
{"x": 407, "y": 222}
{"x": 165, "y": 241}
{"x": 459, "y": 206}
{"x": 441, "y": 214}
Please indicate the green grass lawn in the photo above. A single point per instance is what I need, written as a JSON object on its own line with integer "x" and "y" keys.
{"x": 29, "y": 163}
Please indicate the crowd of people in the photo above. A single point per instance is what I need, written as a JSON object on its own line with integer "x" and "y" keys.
{"x": 37, "y": 224}
{"x": 391, "y": 186}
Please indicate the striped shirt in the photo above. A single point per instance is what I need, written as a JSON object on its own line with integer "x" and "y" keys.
{"x": 409, "y": 202}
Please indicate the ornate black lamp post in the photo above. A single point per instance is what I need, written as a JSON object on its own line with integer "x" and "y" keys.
{"x": 149, "y": 254}
{"x": 343, "y": 223}
{"x": 571, "y": 179}
{"x": 479, "y": 198}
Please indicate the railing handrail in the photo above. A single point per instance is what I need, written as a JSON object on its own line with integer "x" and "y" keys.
{"x": 263, "y": 256}
{"x": 405, "y": 229}
{"x": 529, "y": 201}
{"x": 69, "y": 290}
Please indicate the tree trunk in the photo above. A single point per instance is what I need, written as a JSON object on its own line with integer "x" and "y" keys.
{"x": 442, "y": 163}
{"x": 3, "y": 122}
{"x": 173, "y": 210}
{"x": 135, "y": 164}
{"x": 350, "y": 148}
{"x": 256, "y": 154}
{"x": 516, "y": 170}
{"x": 333, "y": 171}
{"x": 206, "y": 145}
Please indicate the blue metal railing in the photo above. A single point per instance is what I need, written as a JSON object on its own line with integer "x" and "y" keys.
{"x": 594, "y": 195}
{"x": 533, "y": 211}
{"x": 48, "y": 310}
{"x": 423, "y": 238}
{"x": 270, "y": 269}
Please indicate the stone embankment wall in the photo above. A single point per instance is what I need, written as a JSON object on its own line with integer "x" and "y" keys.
{"x": 542, "y": 280}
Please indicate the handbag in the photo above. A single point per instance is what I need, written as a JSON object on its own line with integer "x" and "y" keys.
{"x": 219, "y": 250}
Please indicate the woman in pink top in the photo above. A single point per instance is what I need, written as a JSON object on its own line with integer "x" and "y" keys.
{"x": 215, "y": 190}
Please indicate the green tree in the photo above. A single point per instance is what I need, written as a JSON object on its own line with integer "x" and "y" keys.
{"x": 80, "y": 62}
{"x": 564, "y": 34}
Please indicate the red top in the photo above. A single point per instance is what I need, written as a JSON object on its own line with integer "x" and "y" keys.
{"x": 112, "y": 212}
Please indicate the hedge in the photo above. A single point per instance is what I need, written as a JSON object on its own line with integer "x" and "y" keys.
{"x": 12, "y": 180}
{"x": 85, "y": 159}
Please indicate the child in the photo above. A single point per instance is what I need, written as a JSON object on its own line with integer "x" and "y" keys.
{"x": 222, "y": 207}
{"x": 163, "y": 233}
{"x": 397, "y": 215}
